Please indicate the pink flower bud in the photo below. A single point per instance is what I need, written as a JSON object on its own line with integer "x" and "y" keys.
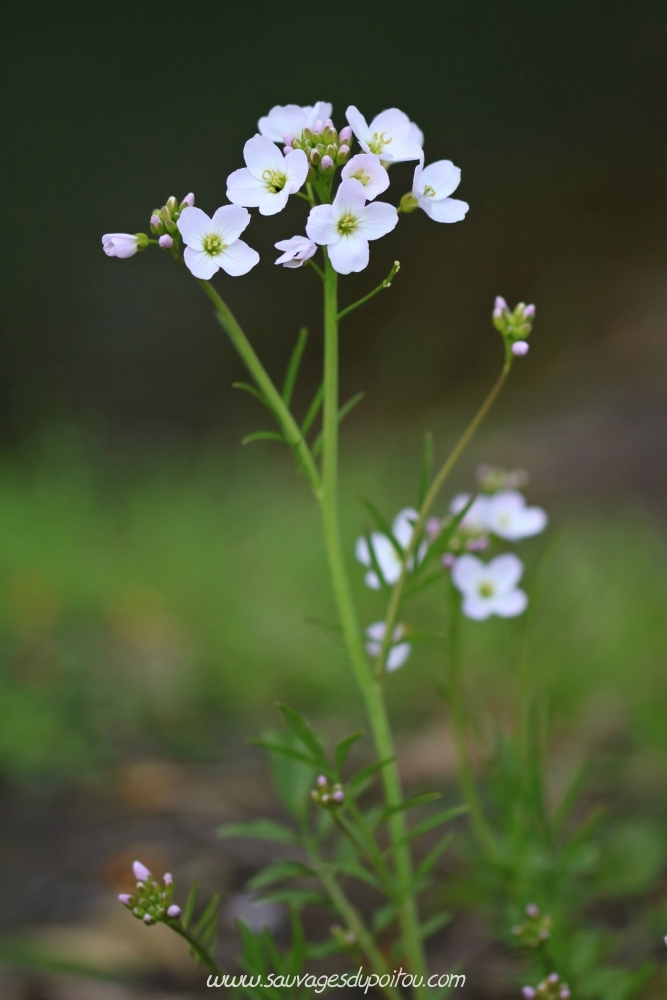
{"x": 124, "y": 899}
{"x": 155, "y": 220}
{"x": 339, "y": 796}
{"x": 189, "y": 200}
{"x": 174, "y": 912}
{"x": 528, "y": 992}
{"x": 520, "y": 348}
{"x": 168, "y": 878}
{"x": 532, "y": 910}
{"x": 345, "y": 134}
{"x": 321, "y": 781}
{"x": 148, "y": 919}
{"x": 318, "y": 126}
{"x": 327, "y": 163}
{"x": 287, "y": 150}
{"x": 288, "y": 139}
{"x": 433, "y": 527}
{"x": 141, "y": 872}
{"x": 166, "y": 242}
{"x": 499, "y": 306}
{"x": 448, "y": 560}
{"x": 553, "y": 978}
{"x": 343, "y": 150}
{"x": 529, "y": 312}
{"x": 328, "y": 123}
{"x": 565, "y": 993}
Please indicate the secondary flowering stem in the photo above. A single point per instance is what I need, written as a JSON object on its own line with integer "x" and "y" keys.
{"x": 204, "y": 957}
{"x": 289, "y": 425}
{"x": 384, "y": 284}
{"x": 372, "y": 691}
{"x": 430, "y": 498}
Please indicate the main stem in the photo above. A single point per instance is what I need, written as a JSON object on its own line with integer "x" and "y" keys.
{"x": 371, "y": 688}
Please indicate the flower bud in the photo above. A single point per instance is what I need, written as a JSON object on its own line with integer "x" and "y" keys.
{"x": 188, "y": 201}
{"x": 553, "y": 978}
{"x": 328, "y": 123}
{"x": 141, "y": 873}
{"x": 171, "y": 227}
{"x": 448, "y": 560}
{"x": 339, "y": 796}
{"x": 164, "y": 213}
{"x": 529, "y": 312}
{"x": 331, "y": 150}
{"x": 174, "y": 912}
{"x": 125, "y": 899}
{"x": 288, "y": 139}
{"x": 321, "y": 781}
{"x": 315, "y": 157}
{"x": 408, "y": 203}
{"x": 148, "y": 920}
{"x": 142, "y": 241}
{"x": 307, "y": 134}
{"x": 329, "y": 134}
{"x": 499, "y": 306}
{"x": 345, "y": 134}
{"x": 342, "y": 155}
{"x": 172, "y": 204}
{"x": 287, "y": 150}
{"x": 166, "y": 242}
{"x": 532, "y": 910}
{"x": 327, "y": 163}
{"x": 168, "y": 878}
{"x": 520, "y": 348}
{"x": 157, "y": 226}
{"x": 319, "y": 125}
{"x": 528, "y": 992}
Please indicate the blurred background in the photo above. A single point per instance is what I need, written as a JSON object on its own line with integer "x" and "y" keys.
{"x": 158, "y": 580}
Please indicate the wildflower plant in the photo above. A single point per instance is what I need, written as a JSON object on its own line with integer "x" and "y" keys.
{"x": 337, "y": 836}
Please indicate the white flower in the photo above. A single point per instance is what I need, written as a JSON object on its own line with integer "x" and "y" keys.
{"x": 391, "y": 135}
{"x": 214, "y": 243}
{"x": 432, "y": 186}
{"x": 119, "y": 245}
{"x": 490, "y": 588}
{"x": 386, "y": 556}
{"x": 476, "y": 518}
{"x": 508, "y": 517}
{"x": 297, "y": 251}
{"x": 269, "y": 178}
{"x": 368, "y": 170}
{"x": 347, "y": 225}
{"x": 398, "y": 651}
{"x": 290, "y": 119}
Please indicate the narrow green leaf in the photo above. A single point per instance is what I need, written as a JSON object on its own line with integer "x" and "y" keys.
{"x": 433, "y": 925}
{"x": 305, "y": 735}
{"x": 323, "y": 949}
{"x": 298, "y": 949}
{"x": 264, "y": 436}
{"x": 375, "y": 563}
{"x": 343, "y": 748}
{"x": 441, "y": 543}
{"x": 261, "y": 829}
{"x": 572, "y": 793}
{"x": 251, "y": 952}
{"x": 429, "y": 862}
{"x": 587, "y": 827}
{"x": 416, "y": 800}
{"x": 253, "y": 391}
{"x": 190, "y": 905}
{"x": 383, "y": 917}
{"x": 354, "y": 870}
{"x": 318, "y": 443}
{"x": 287, "y": 751}
{"x": 293, "y": 367}
{"x": 426, "y": 474}
{"x": 313, "y": 410}
{"x": 368, "y": 771}
{"x": 382, "y": 524}
{"x": 433, "y": 821}
{"x": 278, "y": 872}
{"x": 209, "y": 915}
{"x": 299, "y": 897}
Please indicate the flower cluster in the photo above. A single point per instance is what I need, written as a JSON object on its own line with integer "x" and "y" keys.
{"x": 514, "y": 325}
{"x": 151, "y": 902}
{"x": 551, "y": 988}
{"x": 326, "y": 794}
{"x": 313, "y": 149}
{"x": 384, "y": 554}
{"x": 399, "y": 651}
{"x": 535, "y": 928}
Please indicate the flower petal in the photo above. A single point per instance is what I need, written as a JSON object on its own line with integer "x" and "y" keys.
{"x": 229, "y": 222}
{"x": 447, "y": 210}
{"x": 295, "y": 167}
{"x": 193, "y": 225}
{"x": 350, "y": 197}
{"x": 321, "y": 225}
{"x": 404, "y": 526}
{"x": 506, "y": 571}
{"x": 273, "y": 202}
{"x": 361, "y": 551}
{"x": 238, "y": 258}
{"x": 443, "y": 177}
{"x": 371, "y": 580}
{"x": 476, "y": 607}
{"x": 281, "y": 119}
{"x": 368, "y": 170}
{"x": 358, "y": 124}
{"x": 350, "y": 253}
{"x": 261, "y": 154}
{"x": 322, "y": 110}
{"x": 398, "y": 655}
{"x": 386, "y": 557}
{"x": 201, "y": 264}
{"x": 511, "y": 604}
{"x": 376, "y": 631}
{"x": 244, "y": 189}
{"x": 466, "y": 573}
{"x": 377, "y": 219}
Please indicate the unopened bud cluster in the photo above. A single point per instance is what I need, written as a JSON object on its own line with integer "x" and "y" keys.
{"x": 535, "y": 929}
{"x": 492, "y": 479}
{"x": 323, "y": 145}
{"x": 345, "y": 939}
{"x": 151, "y": 901}
{"x": 466, "y": 538}
{"x": 327, "y": 794}
{"x": 163, "y": 220}
{"x": 551, "y": 988}
{"x": 514, "y": 325}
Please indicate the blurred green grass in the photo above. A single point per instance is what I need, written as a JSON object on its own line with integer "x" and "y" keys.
{"x": 163, "y": 604}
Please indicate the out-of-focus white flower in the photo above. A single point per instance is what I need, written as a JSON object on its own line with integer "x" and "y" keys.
{"x": 490, "y": 588}
{"x": 476, "y": 518}
{"x": 432, "y": 186}
{"x": 119, "y": 244}
{"x": 347, "y": 225}
{"x": 367, "y": 169}
{"x": 508, "y": 516}
{"x": 214, "y": 243}
{"x": 297, "y": 251}
{"x": 398, "y": 651}
{"x": 388, "y": 559}
{"x": 391, "y": 135}
{"x": 269, "y": 178}
{"x": 291, "y": 119}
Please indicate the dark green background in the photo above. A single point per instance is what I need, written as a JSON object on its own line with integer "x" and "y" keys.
{"x": 554, "y": 111}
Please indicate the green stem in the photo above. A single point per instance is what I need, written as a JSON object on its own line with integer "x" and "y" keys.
{"x": 384, "y": 284}
{"x": 371, "y": 690}
{"x": 289, "y": 425}
{"x": 480, "y": 826}
{"x": 429, "y": 500}
{"x": 204, "y": 957}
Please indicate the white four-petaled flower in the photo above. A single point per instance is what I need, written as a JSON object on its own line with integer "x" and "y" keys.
{"x": 391, "y": 135}
{"x": 490, "y": 588}
{"x": 398, "y": 652}
{"x": 347, "y": 225}
{"x": 368, "y": 170}
{"x": 214, "y": 243}
{"x": 119, "y": 244}
{"x": 388, "y": 559}
{"x": 432, "y": 186}
{"x": 290, "y": 119}
{"x": 475, "y": 518}
{"x": 269, "y": 178}
{"x": 297, "y": 251}
{"x": 508, "y": 516}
